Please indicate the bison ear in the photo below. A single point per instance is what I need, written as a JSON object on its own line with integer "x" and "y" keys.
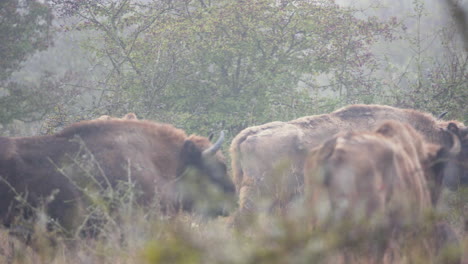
{"x": 452, "y": 127}
{"x": 386, "y": 130}
{"x": 435, "y": 153}
{"x": 130, "y": 116}
{"x": 210, "y": 137}
{"x": 328, "y": 148}
{"x": 190, "y": 152}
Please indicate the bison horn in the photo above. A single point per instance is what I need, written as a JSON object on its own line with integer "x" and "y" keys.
{"x": 216, "y": 146}
{"x": 442, "y": 115}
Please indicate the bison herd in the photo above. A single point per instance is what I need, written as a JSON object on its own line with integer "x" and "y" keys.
{"x": 357, "y": 162}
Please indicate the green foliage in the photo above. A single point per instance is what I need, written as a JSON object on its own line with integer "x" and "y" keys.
{"x": 229, "y": 64}
{"x": 24, "y": 28}
{"x": 210, "y": 65}
{"x": 33, "y": 101}
{"x": 433, "y": 77}
{"x": 174, "y": 249}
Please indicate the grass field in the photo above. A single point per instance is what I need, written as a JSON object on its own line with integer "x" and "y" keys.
{"x": 144, "y": 235}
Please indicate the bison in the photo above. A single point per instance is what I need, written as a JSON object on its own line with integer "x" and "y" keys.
{"x": 267, "y": 160}
{"x": 384, "y": 179}
{"x": 160, "y": 160}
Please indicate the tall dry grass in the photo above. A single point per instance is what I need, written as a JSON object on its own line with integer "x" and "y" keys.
{"x": 147, "y": 237}
{"x": 126, "y": 232}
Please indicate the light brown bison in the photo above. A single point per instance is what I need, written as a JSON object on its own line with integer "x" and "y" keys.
{"x": 267, "y": 160}
{"x": 381, "y": 180}
{"x": 161, "y": 160}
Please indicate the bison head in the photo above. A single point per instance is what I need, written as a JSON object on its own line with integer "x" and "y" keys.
{"x": 454, "y": 165}
{"x": 204, "y": 185}
{"x": 347, "y": 175}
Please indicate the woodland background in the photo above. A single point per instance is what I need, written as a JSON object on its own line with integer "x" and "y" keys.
{"x": 208, "y": 65}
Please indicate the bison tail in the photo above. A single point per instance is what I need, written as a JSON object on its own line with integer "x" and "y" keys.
{"x": 237, "y": 172}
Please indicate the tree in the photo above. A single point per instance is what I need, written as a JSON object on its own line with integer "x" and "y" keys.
{"x": 434, "y": 75}
{"x": 232, "y": 63}
{"x": 24, "y": 28}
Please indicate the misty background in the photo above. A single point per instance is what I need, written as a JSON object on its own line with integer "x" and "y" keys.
{"x": 208, "y": 65}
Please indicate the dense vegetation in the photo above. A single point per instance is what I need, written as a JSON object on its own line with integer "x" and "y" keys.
{"x": 210, "y": 65}
{"x": 25, "y": 28}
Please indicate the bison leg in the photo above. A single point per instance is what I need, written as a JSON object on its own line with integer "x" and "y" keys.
{"x": 246, "y": 199}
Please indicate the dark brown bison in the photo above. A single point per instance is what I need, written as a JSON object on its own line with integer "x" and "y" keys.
{"x": 383, "y": 179}
{"x": 159, "y": 159}
{"x": 267, "y": 160}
